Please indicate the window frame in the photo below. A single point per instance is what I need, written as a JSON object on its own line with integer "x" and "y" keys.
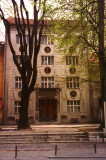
{"x": 47, "y": 60}
{"x": 47, "y": 82}
{"x": 18, "y": 82}
{"x": 27, "y": 39}
{"x": 18, "y": 57}
{"x": 18, "y": 39}
{"x": 72, "y": 60}
{"x": 45, "y": 39}
{"x": 17, "y": 105}
{"x": 73, "y": 106}
{"x": 72, "y": 82}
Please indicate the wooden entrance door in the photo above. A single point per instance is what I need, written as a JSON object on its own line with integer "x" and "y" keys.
{"x": 47, "y": 111}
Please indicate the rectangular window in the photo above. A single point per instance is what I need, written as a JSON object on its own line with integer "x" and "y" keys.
{"x": 71, "y": 60}
{"x": 72, "y": 82}
{"x": 17, "y": 105}
{"x": 73, "y": 106}
{"x": 18, "y": 57}
{"x": 18, "y": 39}
{"x": 18, "y": 82}
{"x": 47, "y": 82}
{"x": 27, "y": 39}
{"x": 46, "y": 40}
{"x": 47, "y": 60}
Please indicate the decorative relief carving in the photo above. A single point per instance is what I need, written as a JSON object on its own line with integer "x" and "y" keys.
{"x": 42, "y": 71}
{"x": 74, "y": 94}
{"x": 67, "y": 70}
{"x": 12, "y": 95}
{"x": 72, "y": 70}
{"x": 47, "y": 70}
{"x": 47, "y": 49}
{"x": 16, "y": 95}
{"x": 19, "y": 94}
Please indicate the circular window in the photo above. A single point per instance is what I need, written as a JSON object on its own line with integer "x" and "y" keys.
{"x": 47, "y": 49}
{"x": 47, "y": 70}
{"x": 72, "y": 70}
{"x": 73, "y": 93}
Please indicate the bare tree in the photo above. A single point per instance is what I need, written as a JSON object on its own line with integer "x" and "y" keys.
{"x": 28, "y": 68}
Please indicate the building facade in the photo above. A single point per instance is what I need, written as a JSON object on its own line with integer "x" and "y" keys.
{"x": 60, "y": 96}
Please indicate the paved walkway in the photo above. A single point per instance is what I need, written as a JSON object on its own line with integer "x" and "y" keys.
{"x": 47, "y": 151}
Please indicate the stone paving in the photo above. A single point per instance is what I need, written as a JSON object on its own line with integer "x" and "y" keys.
{"x": 47, "y": 151}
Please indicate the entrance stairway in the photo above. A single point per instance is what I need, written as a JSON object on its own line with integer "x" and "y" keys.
{"x": 38, "y": 135}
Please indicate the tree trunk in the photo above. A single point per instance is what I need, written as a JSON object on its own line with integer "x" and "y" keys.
{"x": 101, "y": 53}
{"x": 103, "y": 91}
{"x": 101, "y": 45}
{"x": 23, "y": 113}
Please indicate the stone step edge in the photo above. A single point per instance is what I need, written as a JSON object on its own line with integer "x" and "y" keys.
{"x": 71, "y": 133}
{"x": 37, "y": 142}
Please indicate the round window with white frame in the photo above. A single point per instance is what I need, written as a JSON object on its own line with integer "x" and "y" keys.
{"x": 47, "y": 49}
{"x": 73, "y": 94}
{"x": 72, "y": 70}
{"x": 47, "y": 70}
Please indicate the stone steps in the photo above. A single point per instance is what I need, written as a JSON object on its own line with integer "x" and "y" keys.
{"x": 32, "y": 137}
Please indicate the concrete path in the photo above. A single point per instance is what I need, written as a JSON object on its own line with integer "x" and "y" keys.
{"x": 47, "y": 151}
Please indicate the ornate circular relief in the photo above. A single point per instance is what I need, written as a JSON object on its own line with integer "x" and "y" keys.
{"x": 47, "y": 70}
{"x": 20, "y": 93}
{"x": 72, "y": 70}
{"x": 73, "y": 93}
{"x": 47, "y": 49}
